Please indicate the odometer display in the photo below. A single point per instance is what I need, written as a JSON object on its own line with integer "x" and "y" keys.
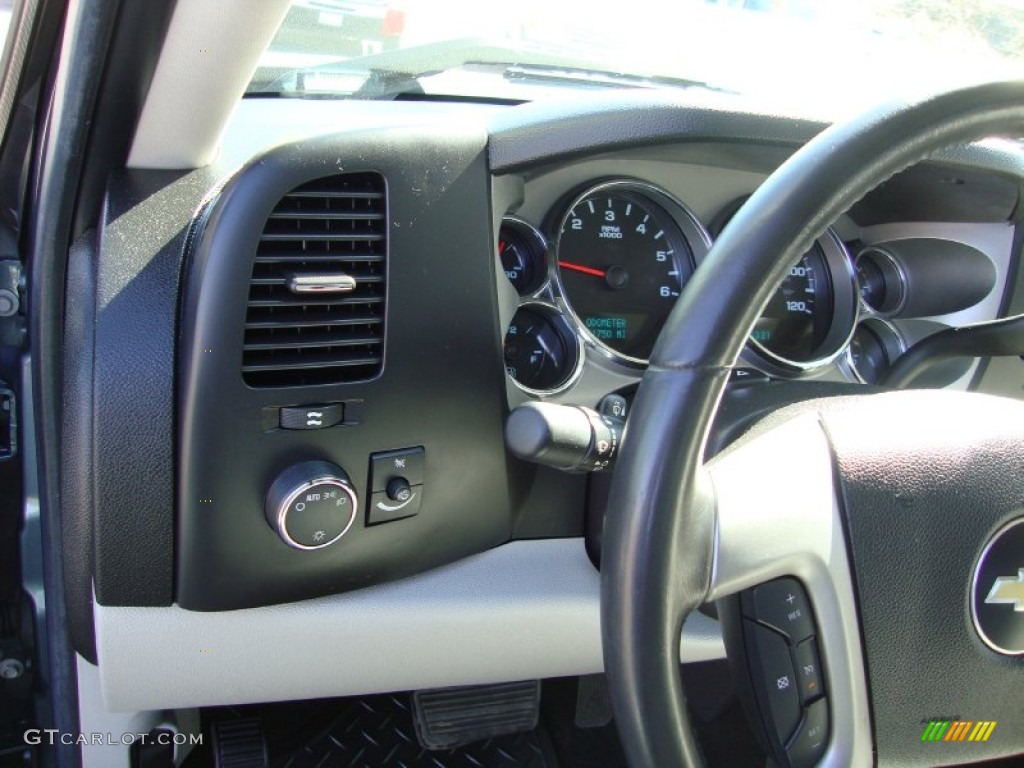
{"x": 622, "y": 262}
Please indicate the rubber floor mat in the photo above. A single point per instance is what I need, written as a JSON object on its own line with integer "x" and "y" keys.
{"x": 378, "y": 732}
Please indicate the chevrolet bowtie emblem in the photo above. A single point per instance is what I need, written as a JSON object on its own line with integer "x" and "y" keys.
{"x": 1001, "y": 628}
{"x": 1008, "y": 589}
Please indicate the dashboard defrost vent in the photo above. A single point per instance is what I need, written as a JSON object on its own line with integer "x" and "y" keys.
{"x": 317, "y": 293}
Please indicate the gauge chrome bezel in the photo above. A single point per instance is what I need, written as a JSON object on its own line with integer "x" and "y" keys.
{"x": 556, "y": 316}
{"x": 694, "y": 234}
{"x": 542, "y": 252}
{"x": 890, "y": 267}
{"x": 845, "y": 312}
{"x": 893, "y": 343}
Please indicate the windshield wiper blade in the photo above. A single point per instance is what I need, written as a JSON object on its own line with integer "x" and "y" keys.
{"x": 601, "y": 78}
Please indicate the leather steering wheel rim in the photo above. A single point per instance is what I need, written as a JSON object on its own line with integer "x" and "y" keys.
{"x": 659, "y": 533}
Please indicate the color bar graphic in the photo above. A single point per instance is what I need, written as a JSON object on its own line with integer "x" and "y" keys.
{"x": 958, "y": 730}
{"x": 982, "y": 731}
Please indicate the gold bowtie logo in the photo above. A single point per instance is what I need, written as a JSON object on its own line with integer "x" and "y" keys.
{"x": 1008, "y": 589}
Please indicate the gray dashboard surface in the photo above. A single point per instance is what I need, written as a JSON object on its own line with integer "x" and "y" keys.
{"x": 521, "y": 611}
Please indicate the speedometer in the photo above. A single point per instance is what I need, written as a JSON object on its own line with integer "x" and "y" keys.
{"x": 798, "y": 316}
{"x": 809, "y": 319}
{"x": 622, "y": 261}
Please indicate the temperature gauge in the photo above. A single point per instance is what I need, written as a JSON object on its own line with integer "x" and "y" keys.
{"x": 542, "y": 354}
{"x": 881, "y": 282}
{"x": 523, "y": 253}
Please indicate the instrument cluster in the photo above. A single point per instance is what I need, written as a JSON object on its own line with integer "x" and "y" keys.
{"x": 600, "y": 275}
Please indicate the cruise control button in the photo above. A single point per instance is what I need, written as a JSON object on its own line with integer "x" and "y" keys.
{"x": 775, "y": 668}
{"x": 406, "y": 463}
{"x": 808, "y": 670}
{"x": 809, "y": 743}
{"x": 782, "y": 604}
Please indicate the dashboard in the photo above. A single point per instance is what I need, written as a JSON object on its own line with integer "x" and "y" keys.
{"x": 308, "y": 351}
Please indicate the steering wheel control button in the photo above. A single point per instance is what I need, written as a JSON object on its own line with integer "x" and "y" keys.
{"x": 773, "y": 669}
{"x": 311, "y": 505}
{"x": 782, "y": 604}
{"x": 312, "y": 416}
{"x": 997, "y": 592}
{"x": 406, "y": 463}
{"x": 809, "y": 743}
{"x": 808, "y": 671}
{"x": 384, "y": 509}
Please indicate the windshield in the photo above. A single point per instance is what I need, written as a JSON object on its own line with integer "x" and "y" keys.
{"x": 817, "y": 58}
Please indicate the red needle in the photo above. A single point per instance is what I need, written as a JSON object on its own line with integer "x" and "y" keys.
{"x": 581, "y": 268}
{"x": 501, "y": 247}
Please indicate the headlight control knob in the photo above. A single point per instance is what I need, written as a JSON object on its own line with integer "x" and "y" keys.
{"x": 311, "y": 505}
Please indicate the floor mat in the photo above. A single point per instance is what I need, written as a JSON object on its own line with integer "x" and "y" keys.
{"x": 377, "y": 732}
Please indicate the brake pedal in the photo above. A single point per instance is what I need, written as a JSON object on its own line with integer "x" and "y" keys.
{"x": 450, "y": 717}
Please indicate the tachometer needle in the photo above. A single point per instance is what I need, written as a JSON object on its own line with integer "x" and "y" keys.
{"x": 581, "y": 268}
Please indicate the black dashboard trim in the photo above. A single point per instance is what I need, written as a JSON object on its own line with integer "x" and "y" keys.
{"x": 77, "y": 448}
{"x": 137, "y": 273}
{"x": 441, "y": 386}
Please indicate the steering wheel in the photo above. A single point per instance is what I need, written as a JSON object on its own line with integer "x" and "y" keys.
{"x": 896, "y": 512}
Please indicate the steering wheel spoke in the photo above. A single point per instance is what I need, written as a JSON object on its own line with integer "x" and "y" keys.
{"x": 777, "y": 515}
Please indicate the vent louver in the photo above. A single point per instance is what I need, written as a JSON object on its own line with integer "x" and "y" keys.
{"x": 306, "y": 322}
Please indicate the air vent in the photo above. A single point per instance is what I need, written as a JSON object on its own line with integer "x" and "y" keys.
{"x": 316, "y": 298}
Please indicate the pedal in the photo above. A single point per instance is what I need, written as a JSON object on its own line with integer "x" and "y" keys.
{"x": 593, "y": 702}
{"x": 239, "y": 744}
{"x": 450, "y": 717}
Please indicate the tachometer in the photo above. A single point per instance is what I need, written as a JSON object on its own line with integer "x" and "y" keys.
{"x": 622, "y": 261}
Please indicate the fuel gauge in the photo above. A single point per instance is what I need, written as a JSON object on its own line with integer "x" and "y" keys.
{"x": 542, "y": 354}
{"x": 873, "y": 349}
